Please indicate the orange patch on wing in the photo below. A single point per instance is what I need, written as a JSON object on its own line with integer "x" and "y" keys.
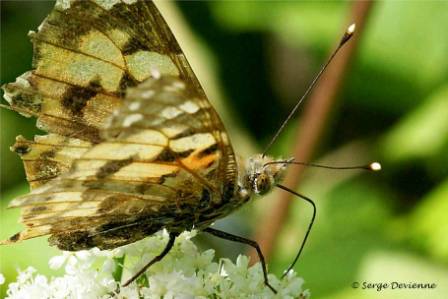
{"x": 195, "y": 162}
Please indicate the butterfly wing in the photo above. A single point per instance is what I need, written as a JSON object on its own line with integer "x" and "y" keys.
{"x": 157, "y": 162}
{"x": 86, "y": 54}
{"x": 46, "y": 157}
{"x": 162, "y": 163}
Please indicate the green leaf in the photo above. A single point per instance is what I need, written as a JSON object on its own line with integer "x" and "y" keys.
{"x": 429, "y": 222}
{"x": 422, "y": 133}
{"x": 118, "y": 271}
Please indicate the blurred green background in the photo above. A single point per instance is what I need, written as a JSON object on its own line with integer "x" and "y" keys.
{"x": 255, "y": 59}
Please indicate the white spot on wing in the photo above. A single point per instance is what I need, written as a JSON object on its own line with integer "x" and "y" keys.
{"x": 132, "y": 118}
{"x": 119, "y": 151}
{"x": 148, "y": 94}
{"x": 155, "y": 73}
{"x": 170, "y": 112}
{"x": 189, "y": 107}
{"x": 134, "y": 106}
{"x": 196, "y": 141}
{"x": 179, "y": 84}
{"x": 174, "y": 130}
{"x": 170, "y": 88}
{"x": 148, "y": 136}
{"x": 144, "y": 171}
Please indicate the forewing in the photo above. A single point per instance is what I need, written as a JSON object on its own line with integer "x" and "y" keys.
{"x": 86, "y": 54}
{"x": 162, "y": 160}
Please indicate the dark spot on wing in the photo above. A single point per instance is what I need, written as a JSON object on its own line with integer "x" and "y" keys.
{"x": 167, "y": 155}
{"x": 73, "y": 22}
{"x": 143, "y": 31}
{"x": 133, "y": 45}
{"x": 184, "y": 154}
{"x": 47, "y": 154}
{"x": 112, "y": 167}
{"x": 15, "y": 237}
{"x": 21, "y": 149}
{"x": 125, "y": 82}
{"x": 75, "y": 98}
{"x": 185, "y": 133}
{"x": 209, "y": 150}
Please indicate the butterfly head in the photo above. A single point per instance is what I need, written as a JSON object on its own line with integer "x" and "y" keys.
{"x": 260, "y": 175}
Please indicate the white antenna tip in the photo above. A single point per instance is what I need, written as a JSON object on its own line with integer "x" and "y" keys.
{"x": 375, "y": 166}
{"x": 348, "y": 34}
{"x": 351, "y": 29}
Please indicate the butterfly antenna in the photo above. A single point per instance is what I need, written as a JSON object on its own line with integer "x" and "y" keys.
{"x": 345, "y": 38}
{"x": 291, "y": 266}
{"x": 374, "y": 166}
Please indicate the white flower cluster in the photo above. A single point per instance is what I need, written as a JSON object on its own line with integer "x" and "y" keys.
{"x": 183, "y": 273}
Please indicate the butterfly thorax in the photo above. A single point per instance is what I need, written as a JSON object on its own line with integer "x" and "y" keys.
{"x": 258, "y": 175}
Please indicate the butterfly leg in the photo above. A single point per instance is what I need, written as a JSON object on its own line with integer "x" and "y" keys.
{"x": 230, "y": 237}
{"x": 309, "y": 226}
{"x": 156, "y": 259}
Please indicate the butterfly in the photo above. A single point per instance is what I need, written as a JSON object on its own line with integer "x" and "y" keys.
{"x": 133, "y": 144}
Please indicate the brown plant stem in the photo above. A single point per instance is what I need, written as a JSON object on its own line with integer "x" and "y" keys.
{"x": 313, "y": 123}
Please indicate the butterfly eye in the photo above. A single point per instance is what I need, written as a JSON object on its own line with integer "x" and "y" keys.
{"x": 262, "y": 183}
